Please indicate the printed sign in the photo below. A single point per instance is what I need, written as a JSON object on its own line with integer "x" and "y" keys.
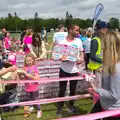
{"x": 49, "y": 68}
{"x": 65, "y": 52}
{"x": 20, "y": 59}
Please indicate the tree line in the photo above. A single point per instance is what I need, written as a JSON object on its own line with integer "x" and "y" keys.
{"x": 14, "y": 22}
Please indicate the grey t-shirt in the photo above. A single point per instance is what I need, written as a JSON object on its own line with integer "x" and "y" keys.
{"x": 110, "y": 91}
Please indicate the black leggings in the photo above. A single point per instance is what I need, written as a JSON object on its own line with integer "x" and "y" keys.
{"x": 63, "y": 85}
{"x": 87, "y": 56}
{"x": 98, "y": 108}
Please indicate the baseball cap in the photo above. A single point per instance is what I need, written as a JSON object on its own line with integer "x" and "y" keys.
{"x": 101, "y": 25}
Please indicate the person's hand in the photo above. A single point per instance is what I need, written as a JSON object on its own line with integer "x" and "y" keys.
{"x": 91, "y": 91}
{"x": 80, "y": 61}
{"x": 12, "y": 69}
{"x": 28, "y": 75}
{"x": 87, "y": 78}
{"x": 37, "y": 59}
{"x": 22, "y": 75}
{"x": 100, "y": 70}
{"x": 64, "y": 58}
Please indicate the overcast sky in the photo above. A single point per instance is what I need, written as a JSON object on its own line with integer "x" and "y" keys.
{"x": 57, "y": 8}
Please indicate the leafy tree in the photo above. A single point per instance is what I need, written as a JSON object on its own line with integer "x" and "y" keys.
{"x": 36, "y": 23}
{"x": 114, "y": 23}
{"x": 9, "y": 15}
{"x": 36, "y": 15}
{"x": 67, "y": 15}
{"x": 71, "y": 17}
{"x": 15, "y": 14}
{"x": 12, "y": 22}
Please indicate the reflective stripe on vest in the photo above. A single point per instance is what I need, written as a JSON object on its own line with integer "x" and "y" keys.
{"x": 92, "y": 64}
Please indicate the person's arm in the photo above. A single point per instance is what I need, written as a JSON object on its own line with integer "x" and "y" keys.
{"x": 81, "y": 54}
{"x": 23, "y": 41}
{"x": 10, "y": 69}
{"x": 54, "y": 38}
{"x": 32, "y": 77}
{"x": 114, "y": 89}
{"x": 31, "y": 50}
{"x": 81, "y": 58}
{"x": 44, "y": 52}
{"x": 35, "y": 76}
{"x": 93, "y": 50}
{"x": 4, "y": 41}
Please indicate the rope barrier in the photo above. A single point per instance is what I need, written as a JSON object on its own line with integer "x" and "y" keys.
{"x": 46, "y": 101}
{"x": 94, "y": 116}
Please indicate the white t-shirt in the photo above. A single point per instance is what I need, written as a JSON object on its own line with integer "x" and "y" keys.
{"x": 87, "y": 44}
{"x": 68, "y": 66}
{"x": 59, "y": 36}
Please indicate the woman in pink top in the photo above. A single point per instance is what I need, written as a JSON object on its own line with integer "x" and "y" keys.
{"x": 7, "y": 41}
{"x": 32, "y": 74}
{"x": 27, "y": 41}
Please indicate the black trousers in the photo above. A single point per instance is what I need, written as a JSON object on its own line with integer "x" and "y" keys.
{"x": 63, "y": 85}
{"x": 98, "y": 108}
{"x": 87, "y": 56}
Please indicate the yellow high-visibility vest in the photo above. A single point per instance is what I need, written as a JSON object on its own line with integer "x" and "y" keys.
{"x": 93, "y": 65}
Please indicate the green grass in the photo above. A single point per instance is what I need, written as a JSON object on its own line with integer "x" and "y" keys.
{"x": 17, "y": 35}
{"x": 49, "y": 110}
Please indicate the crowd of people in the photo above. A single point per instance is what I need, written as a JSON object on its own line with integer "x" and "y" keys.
{"x": 34, "y": 48}
{"x": 100, "y": 51}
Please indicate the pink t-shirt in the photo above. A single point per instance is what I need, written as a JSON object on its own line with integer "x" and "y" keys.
{"x": 31, "y": 87}
{"x": 7, "y": 42}
{"x": 12, "y": 58}
{"x": 27, "y": 40}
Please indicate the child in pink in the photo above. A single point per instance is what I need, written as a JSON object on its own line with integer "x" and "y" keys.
{"x": 32, "y": 70}
{"x": 7, "y": 41}
{"x": 32, "y": 88}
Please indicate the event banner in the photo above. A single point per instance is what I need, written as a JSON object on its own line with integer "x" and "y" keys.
{"x": 49, "y": 68}
{"x": 65, "y": 52}
{"x": 98, "y": 10}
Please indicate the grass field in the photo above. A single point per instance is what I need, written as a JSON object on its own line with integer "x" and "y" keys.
{"x": 49, "y": 110}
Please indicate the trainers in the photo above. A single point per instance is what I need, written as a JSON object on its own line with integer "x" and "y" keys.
{"x": 26, "y": 114}
{"x": 73, "y": 110}
{"x": 39, "y": 114}
{"x": 59, "y": 113}
{"x": 31, "y": 109}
